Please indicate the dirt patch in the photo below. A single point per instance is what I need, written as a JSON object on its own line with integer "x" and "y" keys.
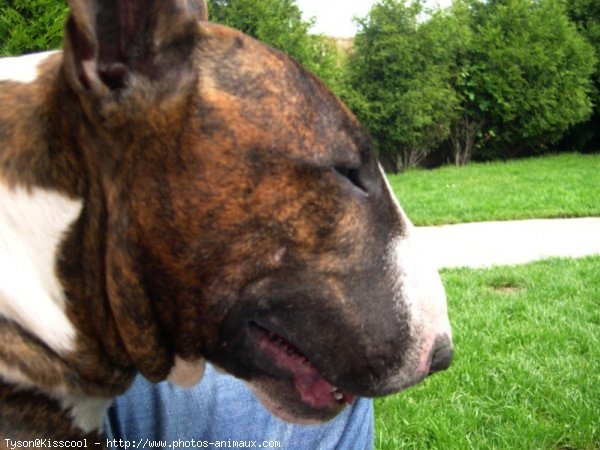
{"x": 511, "y": 290}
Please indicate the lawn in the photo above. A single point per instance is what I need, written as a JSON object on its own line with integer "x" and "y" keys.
{"x": 566, "y": 185}
{"x": 526, "y": 373}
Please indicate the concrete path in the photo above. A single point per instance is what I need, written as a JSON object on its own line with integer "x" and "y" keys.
{"x": 512, "y": 242}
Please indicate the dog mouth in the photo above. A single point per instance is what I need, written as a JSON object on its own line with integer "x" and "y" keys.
{"x": 309, "y": 385}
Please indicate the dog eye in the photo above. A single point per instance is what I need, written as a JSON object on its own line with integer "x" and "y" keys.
{"x": 352, "y": 175}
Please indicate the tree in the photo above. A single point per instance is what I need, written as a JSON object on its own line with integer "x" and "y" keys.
{"x": 34, "y": 25}
{"x": 586, "y": 16}
{"x": 399, "y": 82}
{"x": 523, "y": 79}
{"x": 279, "y": 23}
{"x": 31, "y": 25}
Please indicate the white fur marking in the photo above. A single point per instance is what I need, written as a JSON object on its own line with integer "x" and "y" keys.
{"x": 22, "y": 69}
{"x": 12, "y": 375}
{"x": 87, "y": 413}
{"x": 32, "y": 225}
{"x": 417, "y": 277}
{"x": 186, "y": 374}
{"x": 419, "y": 288}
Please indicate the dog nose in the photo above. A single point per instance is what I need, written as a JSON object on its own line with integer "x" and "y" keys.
{"x": 441, "y": 354}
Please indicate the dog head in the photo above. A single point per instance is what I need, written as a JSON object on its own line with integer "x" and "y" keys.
{"x": 247, "y": 219}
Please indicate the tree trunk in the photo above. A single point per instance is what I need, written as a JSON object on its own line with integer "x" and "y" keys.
{"x": 464, "y": 138}
{"x": 412, "y": 157}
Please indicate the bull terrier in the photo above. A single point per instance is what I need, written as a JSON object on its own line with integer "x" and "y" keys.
{"x": 173, "y": 191}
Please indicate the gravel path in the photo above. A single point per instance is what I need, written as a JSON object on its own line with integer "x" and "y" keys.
{"x": 512, "y": 242}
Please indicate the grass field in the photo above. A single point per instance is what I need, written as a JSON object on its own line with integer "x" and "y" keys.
{"x": 566, "y": 185}
{"x": 526, "y": 373}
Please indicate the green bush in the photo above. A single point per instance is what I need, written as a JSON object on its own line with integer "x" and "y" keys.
{"x": 586, "y": 16}
{"x": 28, "y": 26}
{"x": 279, "y": 23}
{"x": 34, "y": 25}
{"x": 524, "y": 79}
{"x": 399, "y": 82}
{"x": 495, "y": 79}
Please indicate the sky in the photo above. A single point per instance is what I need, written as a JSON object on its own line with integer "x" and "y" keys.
{"x": 334, "y": 17}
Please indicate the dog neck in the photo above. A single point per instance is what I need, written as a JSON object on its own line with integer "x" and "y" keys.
{"x": 37, "y": 212}
{"x": 54, "y": 308}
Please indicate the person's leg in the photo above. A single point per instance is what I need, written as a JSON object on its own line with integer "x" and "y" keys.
{"x": 221, "y": 408}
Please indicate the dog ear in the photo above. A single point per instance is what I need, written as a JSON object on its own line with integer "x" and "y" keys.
{"x": 111, "y": 44}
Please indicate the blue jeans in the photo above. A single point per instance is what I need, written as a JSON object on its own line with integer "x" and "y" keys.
{"x": 221, "y": 408}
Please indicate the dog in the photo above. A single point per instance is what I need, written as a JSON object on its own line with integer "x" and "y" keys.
{"x": 173, "y": 192}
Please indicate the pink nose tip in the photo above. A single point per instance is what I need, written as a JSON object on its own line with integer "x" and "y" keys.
{"x": 441, "y": 354}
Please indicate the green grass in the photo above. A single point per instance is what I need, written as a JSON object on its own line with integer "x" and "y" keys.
{"x": 526, "y": 373}
{"x": 566, "y": 185}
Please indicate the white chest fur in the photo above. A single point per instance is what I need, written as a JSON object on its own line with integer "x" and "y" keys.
{"x": 23, "y": 69}
{"x": 32, "y": 225}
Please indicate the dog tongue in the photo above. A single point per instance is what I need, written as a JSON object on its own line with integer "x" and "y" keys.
{"x": 314, "y": 390}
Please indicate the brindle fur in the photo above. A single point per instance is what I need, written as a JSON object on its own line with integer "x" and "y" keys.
{"x": 205, "y": 166}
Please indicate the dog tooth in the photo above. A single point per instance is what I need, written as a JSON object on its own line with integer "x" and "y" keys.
{"x": 338, "y": 396}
